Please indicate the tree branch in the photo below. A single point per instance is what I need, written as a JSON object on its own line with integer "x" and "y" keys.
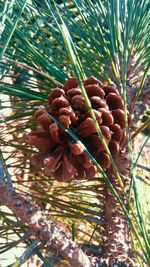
{"x": 44, "y": 230}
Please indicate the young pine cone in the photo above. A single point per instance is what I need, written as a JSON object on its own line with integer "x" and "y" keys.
{"x": 59, "y": 155}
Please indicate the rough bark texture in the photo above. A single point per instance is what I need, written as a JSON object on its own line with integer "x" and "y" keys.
{"x": 116, "y": 247}
{"x": 44, "y": 230}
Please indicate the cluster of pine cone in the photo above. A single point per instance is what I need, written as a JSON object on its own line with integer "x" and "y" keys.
{"x": 59, "y": 155}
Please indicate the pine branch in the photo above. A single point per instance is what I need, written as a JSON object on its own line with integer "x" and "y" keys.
{"x": 44, "y": 230}
{"x": 117, "y": 248}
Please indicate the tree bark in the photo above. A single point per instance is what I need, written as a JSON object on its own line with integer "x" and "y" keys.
{"x": 116, "y": 247}
{"x": 46, "y": 231}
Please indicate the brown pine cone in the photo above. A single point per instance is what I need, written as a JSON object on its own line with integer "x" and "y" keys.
{"x": 59, "y": 155}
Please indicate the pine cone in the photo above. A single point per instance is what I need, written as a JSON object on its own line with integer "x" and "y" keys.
{"x": 59, "y": 155}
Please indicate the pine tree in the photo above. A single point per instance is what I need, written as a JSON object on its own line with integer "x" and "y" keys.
{"x": 72, "y": 74}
